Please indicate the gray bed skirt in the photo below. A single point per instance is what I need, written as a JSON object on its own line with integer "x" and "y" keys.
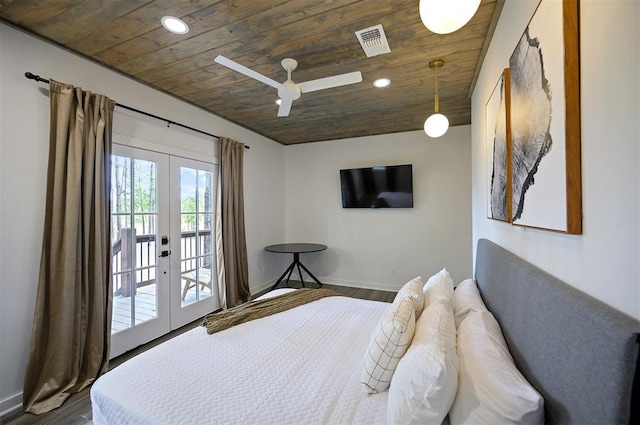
{"x": 579, "y": 353}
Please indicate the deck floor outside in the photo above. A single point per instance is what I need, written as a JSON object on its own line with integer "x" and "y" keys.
{"x": 145, "y": 306}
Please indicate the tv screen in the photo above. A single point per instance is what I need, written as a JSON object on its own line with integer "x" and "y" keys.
{"x": 389, "y": 186}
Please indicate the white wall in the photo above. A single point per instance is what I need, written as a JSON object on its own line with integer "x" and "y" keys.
{"x": 383, "y": 248}
{"x": 605, "y": 260}
{"x": 24, "y": 123}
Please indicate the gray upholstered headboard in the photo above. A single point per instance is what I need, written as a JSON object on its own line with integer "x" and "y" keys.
{"x": 579, "y": 353}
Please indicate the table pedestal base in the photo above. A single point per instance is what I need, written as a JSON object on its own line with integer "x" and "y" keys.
{"x": 289, "y": 270}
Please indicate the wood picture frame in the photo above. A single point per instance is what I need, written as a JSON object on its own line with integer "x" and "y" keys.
{"x": 498, "y": 142}
{"x": 545, "y": 121}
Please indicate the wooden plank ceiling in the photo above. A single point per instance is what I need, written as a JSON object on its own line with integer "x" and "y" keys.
{"x": 127, "y": 36}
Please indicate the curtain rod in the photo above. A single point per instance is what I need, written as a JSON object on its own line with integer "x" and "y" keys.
{"x": 31, "y": 76}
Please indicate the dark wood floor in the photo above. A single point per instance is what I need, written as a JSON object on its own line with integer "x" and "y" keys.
{"x": 77, "y": 410}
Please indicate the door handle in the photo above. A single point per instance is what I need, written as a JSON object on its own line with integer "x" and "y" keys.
{"x": 164, "y": 254}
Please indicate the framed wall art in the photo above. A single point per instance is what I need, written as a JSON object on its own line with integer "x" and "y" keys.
{"x": 545, "y": 121}
{"x": 498, "y": 150}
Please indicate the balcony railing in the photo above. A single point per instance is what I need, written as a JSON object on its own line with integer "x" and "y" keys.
{"x": 140, "y": 266}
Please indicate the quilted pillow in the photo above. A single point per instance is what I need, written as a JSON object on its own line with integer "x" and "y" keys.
{"x": 439, "y": 288}
{"x": 466, "y": 299}
{"x": 426, "y": 379}
{"x": 412, "y": 290}
{"x": 491, "y": 389}
{"x": 390, "y": 340}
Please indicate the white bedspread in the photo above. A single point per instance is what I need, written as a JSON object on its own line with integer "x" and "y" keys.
{"x": 298, "y": 367}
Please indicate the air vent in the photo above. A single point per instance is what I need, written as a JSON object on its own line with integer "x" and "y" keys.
{"x": 373, "y": 41}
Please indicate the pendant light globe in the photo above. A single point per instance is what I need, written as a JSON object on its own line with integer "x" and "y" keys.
{"x": 447, "y": 16}
{"x": 436, "y": 125}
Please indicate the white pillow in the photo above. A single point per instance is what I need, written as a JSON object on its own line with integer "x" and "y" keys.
{"x": 439, "y": 288}
{"x": 412, "y": 290}
{"x": 425, "y": 382}
{"x": 466, "y": 298}
{"x": 491, "y": 390}
{"x": 389, "y": 342}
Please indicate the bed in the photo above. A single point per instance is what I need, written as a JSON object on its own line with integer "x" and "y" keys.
{"x": 285, "y": 368}
{"x": 305, "y": 365}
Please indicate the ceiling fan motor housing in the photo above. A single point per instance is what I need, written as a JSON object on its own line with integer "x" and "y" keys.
{"x": 289, "y": 91}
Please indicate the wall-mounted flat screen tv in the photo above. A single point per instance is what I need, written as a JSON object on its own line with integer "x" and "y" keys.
{"x": 389, "y": 186}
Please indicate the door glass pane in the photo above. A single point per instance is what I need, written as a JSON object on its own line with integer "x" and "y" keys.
{"x": 188, "y": 223}
{"x": 120, "y": 223}
{"x": 145, "y": 185}
{"x": 205, "y": 193}
{"x": 133, "y": 242}
{"x": 145, "y": 225}
{"x": 187, "y": 189}
{"x": 120, "y": 184}
{"x": 197, "y": 237}
{"x": 145, "y": 297}
{"x": 121, "y": 317}
{"x": 206, "y": 271}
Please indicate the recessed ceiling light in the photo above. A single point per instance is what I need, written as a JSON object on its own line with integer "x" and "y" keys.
{"x": 382, "y": 82}
{"x": 175, "y": 25}
{"x": 278, "y": 102}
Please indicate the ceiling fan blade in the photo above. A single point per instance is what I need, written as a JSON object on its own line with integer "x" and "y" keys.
{"x": 330, "y": 82}
{"x": 285, "y": 108}
{"x": 246, "y": 71}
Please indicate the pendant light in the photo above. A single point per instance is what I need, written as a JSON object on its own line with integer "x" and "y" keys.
{"x": 447, "y": 16}
{"x": 437, "y": 124}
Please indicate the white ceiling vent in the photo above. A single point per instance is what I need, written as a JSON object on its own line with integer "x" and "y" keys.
{"x": 373, "y": 41}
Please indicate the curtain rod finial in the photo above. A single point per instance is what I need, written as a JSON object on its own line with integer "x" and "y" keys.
{"x": 31, "y": 76}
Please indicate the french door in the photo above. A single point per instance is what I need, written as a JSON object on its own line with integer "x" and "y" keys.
{"x": 163, "y": 244}
{"x": 193, "y": 262}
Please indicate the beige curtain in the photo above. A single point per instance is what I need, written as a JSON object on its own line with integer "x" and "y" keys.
{"x": 71, "y": 328}
{"x": 222, "y": 285}
{"x": 234, "y": 247}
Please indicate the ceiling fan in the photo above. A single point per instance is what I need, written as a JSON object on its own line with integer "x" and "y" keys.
{"x": 290, "y": 91}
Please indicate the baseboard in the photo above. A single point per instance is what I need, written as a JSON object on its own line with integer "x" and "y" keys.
{"x": 376, "y": 286}
{"x": 10, "y": 404}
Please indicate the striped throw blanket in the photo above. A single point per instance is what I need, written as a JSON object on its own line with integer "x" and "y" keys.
{"x": 258, "y": 309}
